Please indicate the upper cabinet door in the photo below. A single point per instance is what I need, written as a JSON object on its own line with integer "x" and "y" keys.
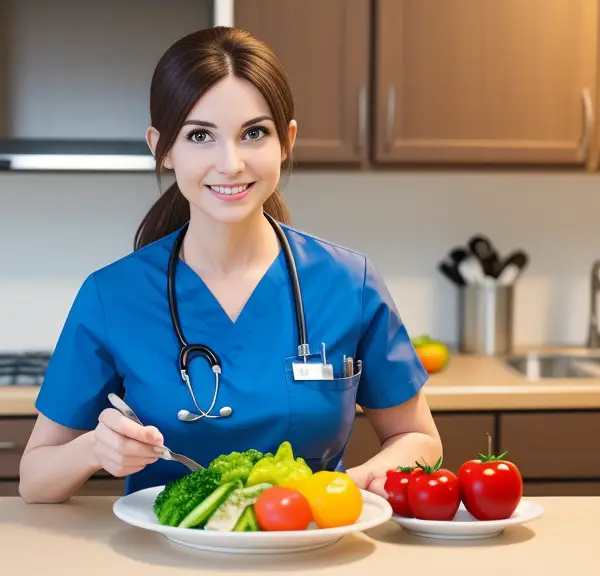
{"x": 485, "y": 81}
{"x": 324, "y": 47}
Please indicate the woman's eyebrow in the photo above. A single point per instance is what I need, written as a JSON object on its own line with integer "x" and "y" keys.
{"x": 211, "y": 125}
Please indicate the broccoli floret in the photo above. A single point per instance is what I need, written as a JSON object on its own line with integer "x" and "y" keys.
{"x": 236, "y": 465}
{"x": 181, "y": 496}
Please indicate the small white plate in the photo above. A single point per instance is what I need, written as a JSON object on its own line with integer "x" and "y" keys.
{"x": 137, "y": 509}
{"x": 465, "y": 527}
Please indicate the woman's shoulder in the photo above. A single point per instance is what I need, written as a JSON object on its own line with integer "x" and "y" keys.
{"x": 137, "y": 265}
{"x": 313, "y": 250}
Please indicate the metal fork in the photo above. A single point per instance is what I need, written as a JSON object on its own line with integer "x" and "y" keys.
{"x": 167, "y": 454}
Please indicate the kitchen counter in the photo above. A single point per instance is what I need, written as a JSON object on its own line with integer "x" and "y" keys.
{"x": 468, "y": 383}
{"x": 84, "y": 537}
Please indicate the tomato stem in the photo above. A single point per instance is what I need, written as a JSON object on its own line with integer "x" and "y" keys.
{"x": 405, "y": 468}
{"x": 490, "y": 457}
{"x": 430, "y": 469}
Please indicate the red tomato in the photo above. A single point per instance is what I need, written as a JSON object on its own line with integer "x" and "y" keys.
{"x": 396, "y": 487}
{"x": 433, "y": 494}
{"x": 491, "y": 488}
{"x": 281, "y": 508}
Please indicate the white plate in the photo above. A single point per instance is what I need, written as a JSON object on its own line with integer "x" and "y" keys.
{"x": 465, "y": 527}
{"x": 137, "y": 509}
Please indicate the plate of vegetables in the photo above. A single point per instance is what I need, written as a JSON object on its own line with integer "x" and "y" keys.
{"x": 254, "y": 503}
{"x": 482, "y": 499}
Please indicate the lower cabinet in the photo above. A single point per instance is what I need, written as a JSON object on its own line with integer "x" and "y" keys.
{"x": 554, "y": 450}
{"x": 463, "y": 438}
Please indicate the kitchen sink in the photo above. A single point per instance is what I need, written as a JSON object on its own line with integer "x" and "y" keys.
{"x": 540, "y": 366}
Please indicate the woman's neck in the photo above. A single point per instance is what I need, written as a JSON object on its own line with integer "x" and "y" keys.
{"x": 212, "y": 247}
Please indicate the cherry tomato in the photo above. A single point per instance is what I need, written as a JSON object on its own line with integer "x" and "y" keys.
{"x": 396, "y": 487}
{"x": 335, "y": 499}
{"x": 281, "y": 508}
{"x": 491, "y": 487}
{"x": 434, "y": 493}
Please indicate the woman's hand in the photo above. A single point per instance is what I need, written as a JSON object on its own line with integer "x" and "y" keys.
{"x": 369, "y": 479}
{"x": 123, "y": 447}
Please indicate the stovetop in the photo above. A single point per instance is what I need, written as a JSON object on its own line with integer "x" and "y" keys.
{"x": 23, "y": 368}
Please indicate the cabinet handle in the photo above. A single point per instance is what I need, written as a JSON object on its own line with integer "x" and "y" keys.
{"x": 588, "y": 122}
{"x": 391, "y": 117}
{"x": 361, "y": 136}
{"x": 7, "y": 445}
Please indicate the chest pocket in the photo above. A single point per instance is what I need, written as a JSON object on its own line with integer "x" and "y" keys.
{"x": 321, "y": 415}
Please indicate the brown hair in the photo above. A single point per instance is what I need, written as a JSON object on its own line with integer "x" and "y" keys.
{"x": 186, "y": 71}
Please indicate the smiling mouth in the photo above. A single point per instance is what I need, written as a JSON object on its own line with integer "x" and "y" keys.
{"x": 230, "y": 190}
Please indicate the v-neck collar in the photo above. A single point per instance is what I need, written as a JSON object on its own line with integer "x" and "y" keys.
{"x": 258, "y": 299}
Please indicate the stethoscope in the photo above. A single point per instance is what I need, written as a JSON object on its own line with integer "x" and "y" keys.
{"x": 204, "y": 351}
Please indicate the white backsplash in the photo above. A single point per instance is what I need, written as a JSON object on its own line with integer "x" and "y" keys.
{"x": 57, "y": 228}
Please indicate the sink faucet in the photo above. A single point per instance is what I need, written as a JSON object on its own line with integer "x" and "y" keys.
{"x": 593, "y": 340}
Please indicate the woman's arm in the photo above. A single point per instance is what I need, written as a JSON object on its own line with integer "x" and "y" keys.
{"x": 57, "y": 461}
{"x": 407, "y": 433}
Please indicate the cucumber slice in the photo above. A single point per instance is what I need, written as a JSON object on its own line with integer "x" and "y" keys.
{"x": 201, "y": 513}
{"x": 247, "y": 521}
{"x": 229, "y": 512}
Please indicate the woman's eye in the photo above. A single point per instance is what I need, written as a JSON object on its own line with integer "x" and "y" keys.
{"x": 200, "y": 137}
{"x": 256, "y": 133}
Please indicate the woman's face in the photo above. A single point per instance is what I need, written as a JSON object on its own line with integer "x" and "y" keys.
{"x": 227, "y": 156}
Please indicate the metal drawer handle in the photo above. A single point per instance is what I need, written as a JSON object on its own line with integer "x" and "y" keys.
{"x": 588, "y": 123}
{"x": 7, "y": 445}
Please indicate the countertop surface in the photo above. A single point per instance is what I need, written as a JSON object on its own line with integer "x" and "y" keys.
{"x": 468, "y": 383}
{"x": 84, "y": 537}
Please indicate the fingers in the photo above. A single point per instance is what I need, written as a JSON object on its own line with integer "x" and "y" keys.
{"x": 377, "y": 486}
{"x": 118, "y": 464}
{"x": 360, "y": 477}
{"x": 123, "y": 445}
{"x": 115, "y": 421}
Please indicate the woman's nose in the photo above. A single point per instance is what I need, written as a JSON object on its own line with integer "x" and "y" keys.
{"x": 230, "y": 160}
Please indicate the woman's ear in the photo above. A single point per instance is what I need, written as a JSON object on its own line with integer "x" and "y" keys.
{"x": 152, "y": 136}
{"x": 292, "y": 130}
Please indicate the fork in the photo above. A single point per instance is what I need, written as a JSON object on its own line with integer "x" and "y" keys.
{"x": 167, "y": 454}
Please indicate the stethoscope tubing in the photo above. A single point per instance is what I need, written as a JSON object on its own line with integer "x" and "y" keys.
{"x": 187, "y": 349}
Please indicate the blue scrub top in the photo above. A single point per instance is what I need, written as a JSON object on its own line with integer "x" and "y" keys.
{"x": 118, "y": 337}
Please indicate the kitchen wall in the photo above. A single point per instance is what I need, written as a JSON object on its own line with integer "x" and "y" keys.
{"x": 57, "y": 228}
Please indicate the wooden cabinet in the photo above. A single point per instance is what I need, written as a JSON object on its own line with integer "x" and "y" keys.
{"x": 554, "y": 445}
{"x": 324, "y": 48}
{"x": 398, "y": 82}
{"x": 463, "y": 437}
{"x": 485, "y": 81}
{"x": 14, "y": 435}
{"x": 555, "y": 451}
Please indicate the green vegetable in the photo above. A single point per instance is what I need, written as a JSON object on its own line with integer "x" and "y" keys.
{"x": 247, "y": 521}
{"x": 227, "y": 515}
{"x": 181, "y": 496}
{"x": 279, "y": 469}
{"x": 204, "y": 510}
{"x": 236, "y": 465}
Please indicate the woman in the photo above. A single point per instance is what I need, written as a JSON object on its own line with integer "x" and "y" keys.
{"x": 222, "y": 121}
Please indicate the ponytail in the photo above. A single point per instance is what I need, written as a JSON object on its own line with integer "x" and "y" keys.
{"x": 171, "y": 211}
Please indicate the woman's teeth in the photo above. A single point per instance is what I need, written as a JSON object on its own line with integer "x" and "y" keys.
{"x": 229, "y": 189}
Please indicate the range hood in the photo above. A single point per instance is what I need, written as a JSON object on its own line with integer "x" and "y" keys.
{"x": 75, "y": 155}
{"x": 21, "y": 149}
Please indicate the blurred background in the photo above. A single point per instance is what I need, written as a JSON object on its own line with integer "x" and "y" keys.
{"x": 425, "y": 127}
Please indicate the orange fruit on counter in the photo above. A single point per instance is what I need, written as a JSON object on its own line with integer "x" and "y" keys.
{"x": 334, "y": 498}
{"x": 433, "y": 354}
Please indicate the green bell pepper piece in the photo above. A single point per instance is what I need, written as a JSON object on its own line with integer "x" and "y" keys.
{"x": 280, "y": 468}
